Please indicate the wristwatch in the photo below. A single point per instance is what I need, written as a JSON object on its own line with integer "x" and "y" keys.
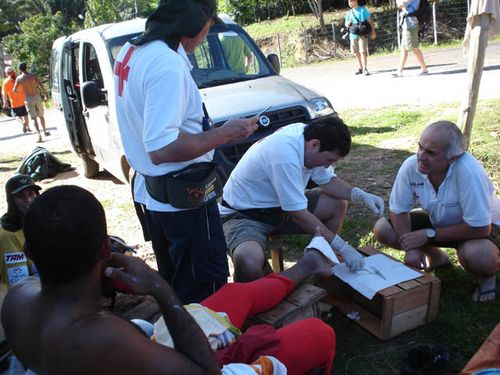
{"x": 430, "y": 233}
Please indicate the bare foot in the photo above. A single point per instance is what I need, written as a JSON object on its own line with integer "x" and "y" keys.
{"x": 436, "y": 258}
{"x": 426, "y": 259}
{"x": 486, "y": 291}
{"x": 417, "y": 259}
{"x": 319, "y": 261}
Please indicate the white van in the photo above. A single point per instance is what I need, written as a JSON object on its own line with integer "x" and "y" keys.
{"x": 83, "y": 91}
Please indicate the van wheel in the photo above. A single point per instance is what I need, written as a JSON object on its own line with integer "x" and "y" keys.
{"x": 90, "y": 166}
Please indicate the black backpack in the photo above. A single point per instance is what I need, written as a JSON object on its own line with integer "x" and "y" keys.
{"x": 423, "y": 13}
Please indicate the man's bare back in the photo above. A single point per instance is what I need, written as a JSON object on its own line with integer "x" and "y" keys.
{"x": 29, "y": 83}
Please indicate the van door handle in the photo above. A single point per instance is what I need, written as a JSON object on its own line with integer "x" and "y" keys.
{"x": 86, "y": 113}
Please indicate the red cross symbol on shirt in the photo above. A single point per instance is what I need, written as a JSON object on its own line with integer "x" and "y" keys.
{"x": 122, "y": 70}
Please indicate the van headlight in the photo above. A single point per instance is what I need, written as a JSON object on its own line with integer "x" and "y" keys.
{"x": 321, "y": 106}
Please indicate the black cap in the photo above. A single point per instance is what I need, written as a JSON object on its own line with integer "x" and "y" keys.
{"x": 18, "y": 183}
{"x": 22, "y": 66}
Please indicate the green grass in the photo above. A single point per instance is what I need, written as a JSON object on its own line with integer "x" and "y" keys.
{"x": 382, "y": 139}
{"x": 290, "y": 24}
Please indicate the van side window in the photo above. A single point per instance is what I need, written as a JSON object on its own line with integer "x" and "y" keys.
{"x": 91, "y": 68}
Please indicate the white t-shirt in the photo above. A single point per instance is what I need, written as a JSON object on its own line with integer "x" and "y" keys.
{"x": 465, "y": 195}
{"x": 272, "y": 173}
{"x": 158, "y": 100}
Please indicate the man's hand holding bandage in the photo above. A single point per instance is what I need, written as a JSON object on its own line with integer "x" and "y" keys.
{"x": 352, "y": 258}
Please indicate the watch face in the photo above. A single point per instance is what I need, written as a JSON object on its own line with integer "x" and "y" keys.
{"x": 430, "y": 233}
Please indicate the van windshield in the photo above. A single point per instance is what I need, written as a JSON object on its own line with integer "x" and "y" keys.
{"x": 225, "y": 56}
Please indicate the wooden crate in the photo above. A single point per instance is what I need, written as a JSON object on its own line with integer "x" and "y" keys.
{"x": 393, "y": 310}
{"x": 300, "y": 304}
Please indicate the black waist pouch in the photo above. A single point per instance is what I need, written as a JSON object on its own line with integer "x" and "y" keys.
{"x": 273, "y": 216}
{"x": 191, "y": 187}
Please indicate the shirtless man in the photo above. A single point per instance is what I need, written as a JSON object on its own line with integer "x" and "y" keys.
{"x": 56, "y": 326}
{"x": 34, "y": 102}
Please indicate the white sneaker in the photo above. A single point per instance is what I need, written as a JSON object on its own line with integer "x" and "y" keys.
{"x": 422, "y": 73}
{"x": 397, "y": 74}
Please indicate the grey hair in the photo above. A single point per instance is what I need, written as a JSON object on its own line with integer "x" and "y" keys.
{"x": 8, "y": 69}
{"x": 454, "y": 136}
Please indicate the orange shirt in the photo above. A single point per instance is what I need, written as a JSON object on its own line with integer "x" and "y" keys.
{"x": 16, "y": 98}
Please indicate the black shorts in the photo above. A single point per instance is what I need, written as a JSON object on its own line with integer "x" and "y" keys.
{"x": 420, "y": 220}
{"x": 19, "y": 111}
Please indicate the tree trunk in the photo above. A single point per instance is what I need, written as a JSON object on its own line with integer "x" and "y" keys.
{"x": 317, "y": 9}
{"x": 2, "y": 65}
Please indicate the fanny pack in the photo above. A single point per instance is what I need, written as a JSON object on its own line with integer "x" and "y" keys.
{"x": 191, "y": 187}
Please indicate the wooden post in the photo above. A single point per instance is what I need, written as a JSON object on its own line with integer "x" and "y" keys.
{"x": 279, "y": 48}
{"x": 334, "y": 41}
{"x": 434, "y": 25}
{"x": 477, "y": 49}
{"x": 306, "y": 47}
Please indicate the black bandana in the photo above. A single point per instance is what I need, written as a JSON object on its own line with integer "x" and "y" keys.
{"x": 174, "y": 19}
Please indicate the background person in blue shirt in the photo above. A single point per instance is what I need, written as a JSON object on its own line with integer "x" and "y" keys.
{"x": 409, "y": 38}
{"x": 359, "y": 43}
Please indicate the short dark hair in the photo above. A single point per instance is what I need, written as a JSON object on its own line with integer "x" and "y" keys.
{"x": 332, "y": 133}
{"x": 22, "y": 67}
{"x": 64, "y": 229}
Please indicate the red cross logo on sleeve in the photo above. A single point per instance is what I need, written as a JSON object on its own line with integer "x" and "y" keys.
{"x": 122, "y": 70}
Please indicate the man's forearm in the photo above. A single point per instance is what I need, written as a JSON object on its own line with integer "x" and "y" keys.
{"x": 401, "y": 223}
{"x": 461, "y": 232}
{"x": 337, "y": 188}
{"x": 306, "y": 221}
{"x": 186, "y": 334}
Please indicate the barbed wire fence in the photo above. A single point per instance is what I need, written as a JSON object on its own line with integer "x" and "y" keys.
{"x": 313, "y": 45}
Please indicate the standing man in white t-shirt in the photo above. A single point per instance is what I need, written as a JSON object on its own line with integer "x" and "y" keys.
{"x": 160, "y": 118}
{"x": 458, "y": 204}
{"x": 266, "y": 192}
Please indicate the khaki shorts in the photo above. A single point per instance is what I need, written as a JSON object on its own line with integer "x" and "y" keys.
{"x": 239, "y": 228}
{"x": 359, "y": 45}
{"x": 35, "y": 107}
{"x": 410, "y": 39}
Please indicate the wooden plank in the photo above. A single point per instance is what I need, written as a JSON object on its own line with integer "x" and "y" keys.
{"x": 409, "y": 284}
{"x": 277, "y": 260}
{"x": 408, "y": 320}
{"x": 276, "y": 315}
{"x": 367, "y": 320}
{"x": 305, "y": 295}
{"x": 435, "y": 294}
{"x": 386, "y": 320}
{"x": 411, "y": 298}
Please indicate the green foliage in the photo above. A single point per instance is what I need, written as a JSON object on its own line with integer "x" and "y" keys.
{"x": 34, "y": 45}
{"x": 109, "y": 11}
{"x": 249, "y": 11}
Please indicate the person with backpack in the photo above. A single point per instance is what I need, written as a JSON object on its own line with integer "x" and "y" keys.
{"x": 409, "y": 41}
{"x": 358, "y": 21}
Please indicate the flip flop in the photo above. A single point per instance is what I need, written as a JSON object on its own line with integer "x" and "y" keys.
{"x": 478, "y": 293}
{"x": 319, "y": 243}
